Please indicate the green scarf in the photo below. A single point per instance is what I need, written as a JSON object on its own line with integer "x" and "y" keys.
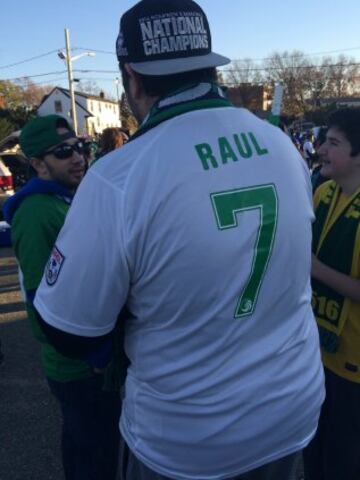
{"x": 188, "y": 99}
{"x": 329, "y": 233}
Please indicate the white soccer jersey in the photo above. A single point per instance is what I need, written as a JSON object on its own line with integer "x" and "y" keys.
{"x": 202, "y": 227}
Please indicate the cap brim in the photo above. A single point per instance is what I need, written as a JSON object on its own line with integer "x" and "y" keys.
{"x": 179, "y": 65}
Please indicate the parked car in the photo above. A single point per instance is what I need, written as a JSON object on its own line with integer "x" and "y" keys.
{"x": 14, "y": 173}
{"x": 14, "y": 168}
{"x": 6, "y": 185}
{"x": 6, "y": 179}
{"x": 18, "y": 166}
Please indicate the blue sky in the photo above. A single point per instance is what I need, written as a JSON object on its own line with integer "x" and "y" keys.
{"x": 240, "y": 28}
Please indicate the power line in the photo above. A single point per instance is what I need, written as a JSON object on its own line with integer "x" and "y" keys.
{"x": 98, "y": 78}
{"x": 330, "y": 65}
{"x": 227, "y": 83}
{"x": 289, "y": 67}
{"x": 96, "y": 51}
{"x": 49, "y": 81}
{"x": 300, "y": 54}
{"x": 299, "y": 67}
{"x": 228, "y": 70}
{"x": 59, "y": 72}
{"x": 113, "y": 53}
{"x": 34, "y": 58}
{"x": 95, "y": 71}
{"x": 327, "y": 52}
{"x": 29, "y": 59}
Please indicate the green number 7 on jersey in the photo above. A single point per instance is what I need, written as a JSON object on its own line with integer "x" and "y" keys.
{"x": 226, "y": 206}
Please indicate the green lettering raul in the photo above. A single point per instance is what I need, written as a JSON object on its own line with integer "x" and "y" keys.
{"x": 226, "y": 150}
{"x": 205, "y": 153}
{"x": 244, "y": 147}
{"x": 259, "y": 150}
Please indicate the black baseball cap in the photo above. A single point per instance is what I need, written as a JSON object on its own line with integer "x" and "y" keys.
{"x": 164, "y": 37}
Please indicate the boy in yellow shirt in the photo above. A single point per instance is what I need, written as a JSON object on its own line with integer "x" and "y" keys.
{"x": 334, "y": 453}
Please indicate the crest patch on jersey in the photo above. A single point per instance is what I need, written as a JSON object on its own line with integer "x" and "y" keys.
{"x": 54, "y": 266}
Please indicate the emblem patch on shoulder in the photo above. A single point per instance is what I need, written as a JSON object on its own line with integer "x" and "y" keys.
{"x": 53, "y": 266}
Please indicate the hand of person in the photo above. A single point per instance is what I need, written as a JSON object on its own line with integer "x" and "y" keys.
{"x": 99, "y": 359}
{"x": 345, "y": 285}
{"x": 316, "y": 267}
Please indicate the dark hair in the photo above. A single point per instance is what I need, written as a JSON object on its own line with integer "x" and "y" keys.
{"x": 112, "y": 138}
{"x": 158, "y": 86}
{"x": 347, "y": 120}
{"x": 63, "y": 123}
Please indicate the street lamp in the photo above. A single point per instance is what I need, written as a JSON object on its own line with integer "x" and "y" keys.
{"x": 67, "y": 57}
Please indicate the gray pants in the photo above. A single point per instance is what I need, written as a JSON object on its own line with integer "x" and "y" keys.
{"x": 131, "y": 468}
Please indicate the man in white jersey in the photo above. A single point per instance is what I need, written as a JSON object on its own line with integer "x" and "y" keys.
{"x": 201, "y": 227}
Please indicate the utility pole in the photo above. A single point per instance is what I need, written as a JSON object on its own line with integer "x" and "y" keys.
{"x": 117, "y": 81}
{"x": 71, "y": 80}
{"x": 274, "y": 117}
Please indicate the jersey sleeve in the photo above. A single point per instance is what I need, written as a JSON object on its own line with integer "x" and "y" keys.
{"x": 86, "y": 280}
{"x": 33, "y": 236}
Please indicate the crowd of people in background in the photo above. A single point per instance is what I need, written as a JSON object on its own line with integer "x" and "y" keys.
{"x": 139, "y": 312}
{"x": 308, "y": 144}
{"x": 101, "y": 144}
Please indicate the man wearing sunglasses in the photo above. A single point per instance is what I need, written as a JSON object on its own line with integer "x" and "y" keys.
{"x": 36, "y": 214}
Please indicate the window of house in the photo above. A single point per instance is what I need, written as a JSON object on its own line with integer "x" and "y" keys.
{"x": 98, "y": 121}
{"x": 99, "y": 107}
{"x": 58, "y": 106}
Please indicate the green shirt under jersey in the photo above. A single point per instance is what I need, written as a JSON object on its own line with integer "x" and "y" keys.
{"x": 35, "y": 227}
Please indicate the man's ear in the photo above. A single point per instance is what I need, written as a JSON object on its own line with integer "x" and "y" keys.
{"x": 135, "y": 86}
{"x": 38, "y": 165}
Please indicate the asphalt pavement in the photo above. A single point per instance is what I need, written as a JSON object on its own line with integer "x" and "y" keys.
{"x": 29, "y": 416}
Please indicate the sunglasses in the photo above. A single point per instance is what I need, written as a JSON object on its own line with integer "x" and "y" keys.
{"x": 64, "y": 151}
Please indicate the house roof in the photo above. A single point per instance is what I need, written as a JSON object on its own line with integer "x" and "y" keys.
{"x": 65, "y": 92}
{"x": 94, "y": 97}
{"x": 88, "y": 96}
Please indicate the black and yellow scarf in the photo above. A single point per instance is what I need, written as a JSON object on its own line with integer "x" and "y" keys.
{"x": 336, "y": 243}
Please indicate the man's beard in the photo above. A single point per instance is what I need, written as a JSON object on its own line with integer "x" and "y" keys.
{"x": 63, "y": 178}
{"x": 134, "y": 110}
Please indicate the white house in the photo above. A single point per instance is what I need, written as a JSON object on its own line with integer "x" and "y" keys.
{"x": 94, "y": 113}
